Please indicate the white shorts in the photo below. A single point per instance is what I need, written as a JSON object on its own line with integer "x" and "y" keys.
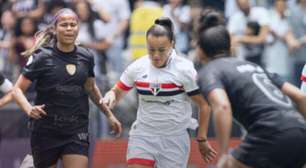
{"x": 159, "y": 151}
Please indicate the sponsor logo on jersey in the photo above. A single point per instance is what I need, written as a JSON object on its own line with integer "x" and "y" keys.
{"x": 71, "y": 69}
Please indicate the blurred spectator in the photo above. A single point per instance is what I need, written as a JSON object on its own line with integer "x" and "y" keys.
{"x": 180, "y": 16}
{"x": 253, "y": 52}
{"x": 283, "y": 41}
{"x": 6, "y": 35}
{"x": 4, "y": 5}
{"x": 93, "y": 34}
{"x": 51, "y": 8}
{"x": 216, "y": 4}
{"x": 28, "y": 8}
{"x": 142, "y": 19}
{"x": 230, "y": 8}
{"x": 297, "y": 20}
{"x": 119, "y": 11}
{"x": 238, "y": 22}
{"x": 195, "y": 13}
{"x": 24, "y": 32}
{"x": 104, "y": 15}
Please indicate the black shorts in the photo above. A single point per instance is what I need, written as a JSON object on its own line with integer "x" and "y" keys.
{"x": 47, "y": 149}
{"x": 286, "y": 149}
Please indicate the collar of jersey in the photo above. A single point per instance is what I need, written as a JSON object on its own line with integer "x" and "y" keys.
{"x": 66, "y": 56}
{"x": 71, "y": 53}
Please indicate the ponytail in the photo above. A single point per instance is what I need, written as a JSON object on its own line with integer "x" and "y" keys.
{"x": 210, "y": 18}
{"x": 214, "y": 39}
{"x": 163, "y": 26}
{"x": 41, "y": 39}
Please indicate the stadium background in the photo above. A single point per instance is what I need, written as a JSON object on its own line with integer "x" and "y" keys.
{"x": 108, "y": 151}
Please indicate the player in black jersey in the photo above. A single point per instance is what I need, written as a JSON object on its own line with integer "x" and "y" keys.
{"x": 268, "y": 108}
{"x": 64, "y": 80}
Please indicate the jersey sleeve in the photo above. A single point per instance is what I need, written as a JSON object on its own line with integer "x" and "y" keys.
{"x": 190, "y": 81}
{"x": 2, "y": 78}
{"x": 209, "y": 79}
{"x": 303, "y": 78}
{"x": 91, "y": 66}
{"x": 276, "y": 79}
{"x": 127, "y": 78}
{"x": 34, "y": 67}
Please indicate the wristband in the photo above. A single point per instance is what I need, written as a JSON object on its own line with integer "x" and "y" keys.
{"x": 200, "y": 140}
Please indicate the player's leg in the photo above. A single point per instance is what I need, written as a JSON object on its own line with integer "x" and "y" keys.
{"x": 141, "y": 151}
{"x": 174, "y": 151}
{"x": 42, "y": 155}
{"x": 74, "y": 161}
{"x": 75, "y": 153}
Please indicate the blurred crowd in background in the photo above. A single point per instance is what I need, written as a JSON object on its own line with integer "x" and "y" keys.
{"x": 271, "y": 33}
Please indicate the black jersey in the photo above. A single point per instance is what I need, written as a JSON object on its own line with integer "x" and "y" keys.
{"x": 60, "y": 79}
{"x": 2, "y": 78}
{"x": 256, "y": 100}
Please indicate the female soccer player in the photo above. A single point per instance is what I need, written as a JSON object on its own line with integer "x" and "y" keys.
{"x": 258, "y": 100}
{"x": 164, "y": 81}
{"x": 64, "y": 79}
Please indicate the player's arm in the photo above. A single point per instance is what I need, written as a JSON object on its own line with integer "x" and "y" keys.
{"x": 20, "y": 87}
{"x": 208, "y": 153}
{"x": 115, "y": 94}
{"x": 298, "y": 96}
{"x": 222, "y": 110}
{"x": 264, "y": 31}
{"x": 96, "y": 96}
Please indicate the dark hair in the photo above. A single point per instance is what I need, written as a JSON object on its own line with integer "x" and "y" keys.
{"x": 18, "y": 27}
{"x": 162, "y": 27}
{"x": 214, "y": 39}
{"x": 254, "y": 26}
{"x": 210, "y": 17}
{"x": 93, "y": 16}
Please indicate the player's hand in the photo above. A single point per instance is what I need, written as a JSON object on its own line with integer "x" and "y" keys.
{"x": 37, "y": 112}
{"x": 223, "y": 161}
{"x": 109, "y": 99}
{"x": 207, "y": 152}
{"x": 116, "y": 125}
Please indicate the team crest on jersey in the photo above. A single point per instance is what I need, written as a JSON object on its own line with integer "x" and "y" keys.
{"x": 155, "y": 88}
{"x": 71, "y": 69}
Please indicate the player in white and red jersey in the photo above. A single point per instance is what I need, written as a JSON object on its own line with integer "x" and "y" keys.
{"x": 303, "y": 78}
{"x": 5, "y": 87}
{"x": 164, "y": 81}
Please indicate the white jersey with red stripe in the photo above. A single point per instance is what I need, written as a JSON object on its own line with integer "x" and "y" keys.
{"x": 303, "y": 78}
{"x": 164, "y": 107}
